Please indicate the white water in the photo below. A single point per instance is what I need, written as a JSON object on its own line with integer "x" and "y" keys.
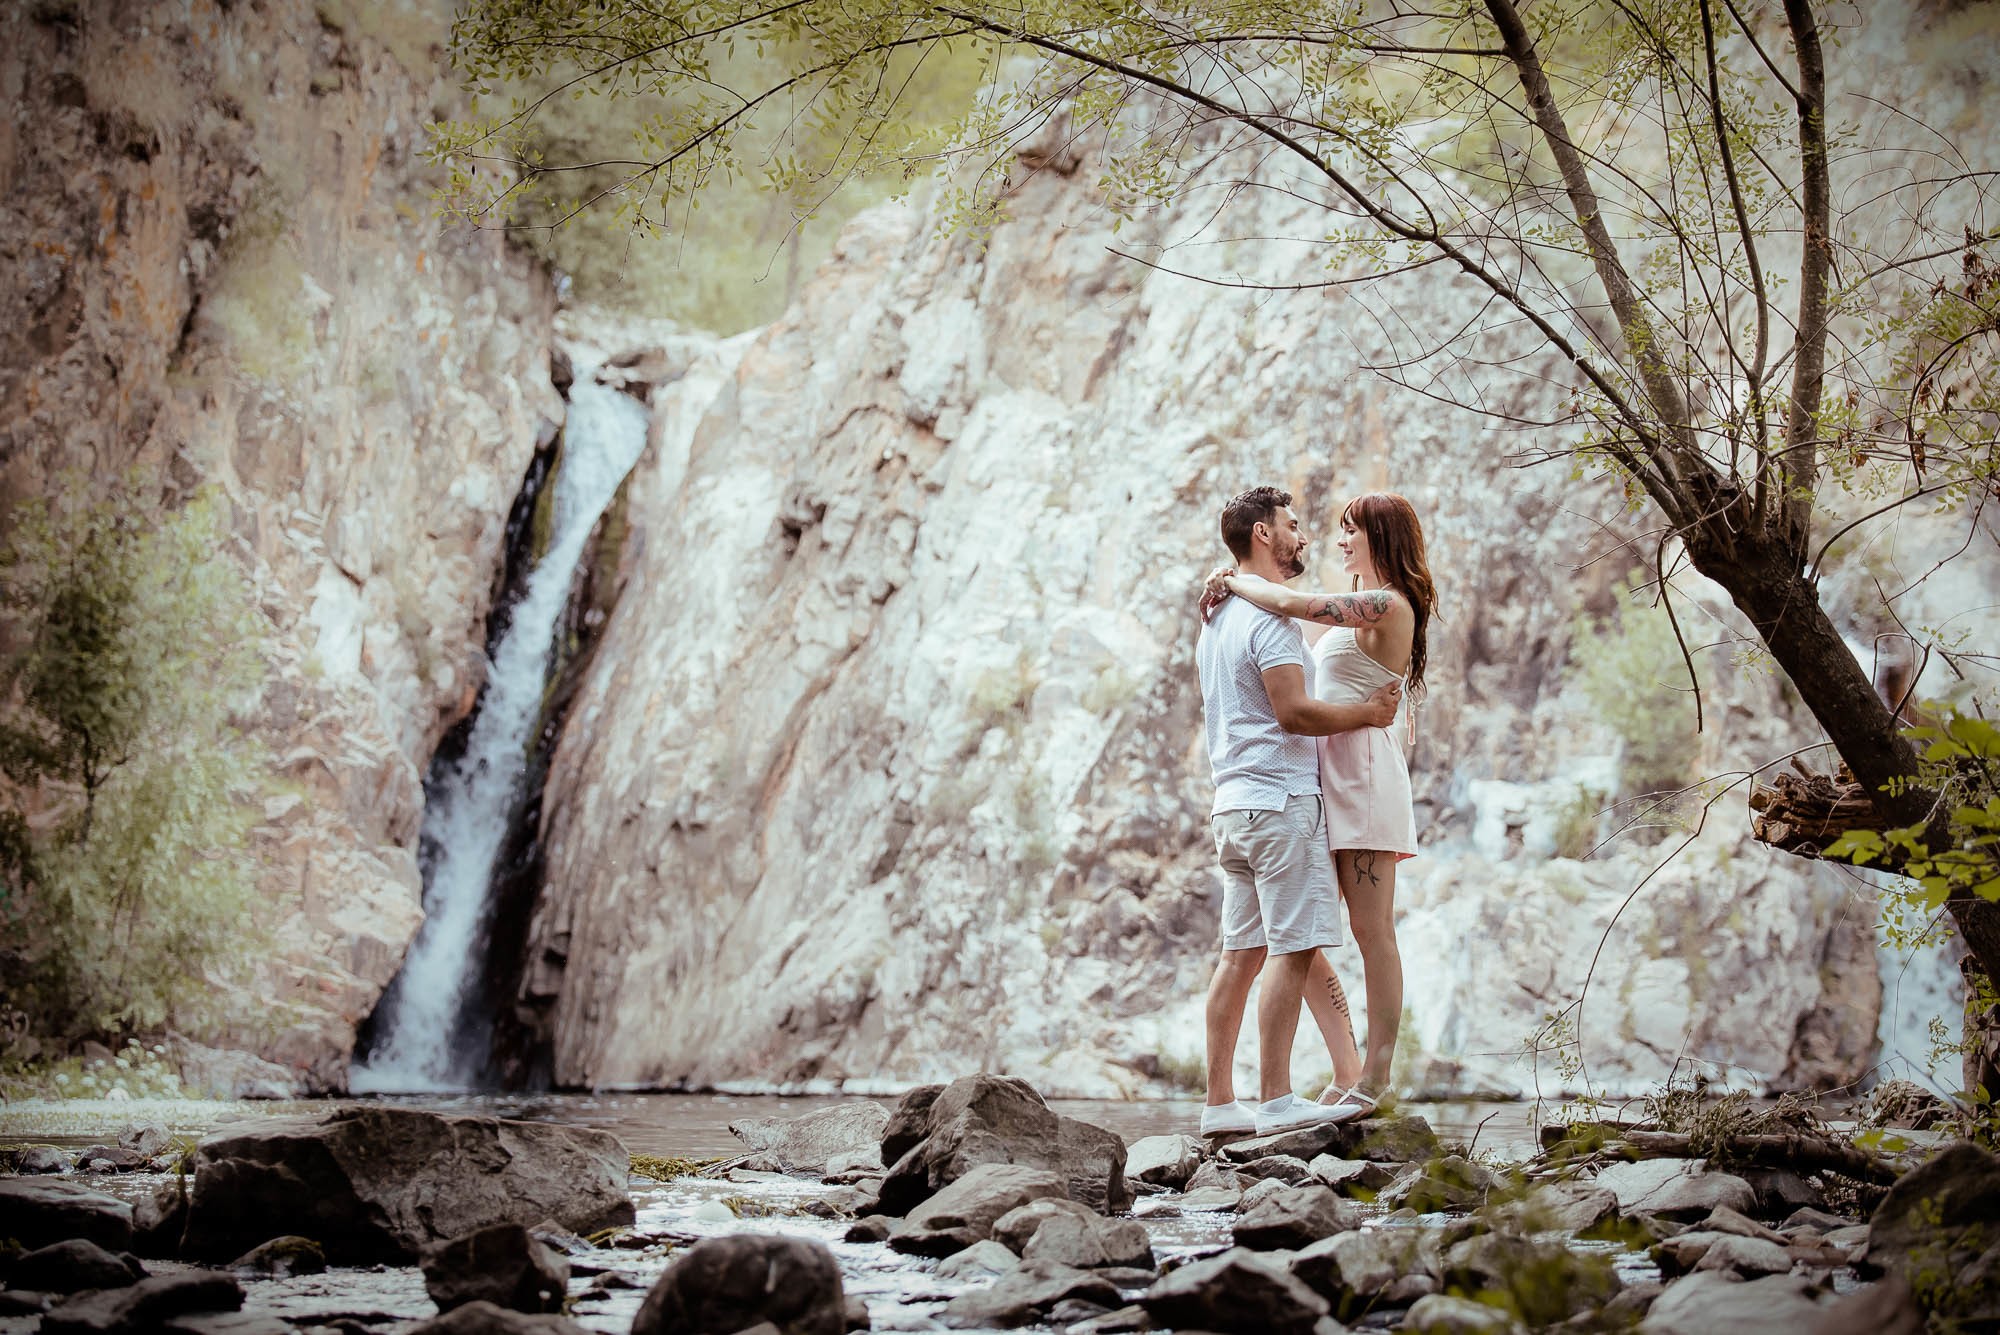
{"x": 467, "y": 820}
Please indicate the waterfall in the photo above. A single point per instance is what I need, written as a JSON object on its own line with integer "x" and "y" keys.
{"x": 423, "y": 1047}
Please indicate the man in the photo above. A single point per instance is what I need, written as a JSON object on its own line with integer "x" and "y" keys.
{"x": 1280, "y": 904}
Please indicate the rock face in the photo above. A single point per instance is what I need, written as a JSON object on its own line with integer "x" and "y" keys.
{"x": 220, "y": 267}
{"x": 890, "y": 756}
{"x": 381, "y": 1184}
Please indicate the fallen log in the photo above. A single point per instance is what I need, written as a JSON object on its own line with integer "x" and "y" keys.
{"x": 1799, "y": 1152}
{"x": 1803, "y": 812}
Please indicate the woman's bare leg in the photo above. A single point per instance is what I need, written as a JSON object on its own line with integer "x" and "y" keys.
{"x": 1368, "y": 884}
{"x": 1328, "y": 1004}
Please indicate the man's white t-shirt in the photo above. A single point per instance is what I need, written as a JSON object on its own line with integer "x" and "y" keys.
{"x": 1257, "y": 765}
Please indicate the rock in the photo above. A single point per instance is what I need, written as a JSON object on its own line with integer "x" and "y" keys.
{"x": 484, "y": 1318}
{"x": 1357, "y": 1271}
{"x": 1210, "y": 1198}
{"x": 502, "y": 1264}
{"x": 1571, "y": 1207}
{"x": 144, "y": 1139}
{"x": 1279, "y": 1167}
{"x": 144, "y": 1306}
{"x": 851, "y": 1132}
{"x": 23, "y": 1302}
{"x": 1089, "y": 1242}
{"x": 40, "y": 1212}
{"x": 1448, "y": 1183}
{"x": 218, "y": 1073}
{"x": 1259, "y": 1192}
{"x": 1294, "y": 1217}
{"x": 1122, "y": 1321}
{"x": 1350, "y": 1177}
{"x": 36, "y": 1159}
{"x": 226, "y": 1323}
{"x": 1680, "y": 1254}
{"x": 1815, "y": 1219}
{"x": 381, "y": 1183}
{"x": 73, "y": 1266}
{"x": 870, "y": 1228}
{"x": 1712, "y": 1302}
{"x": 1027, "y": 1293}
{"x": 1540, "y": 1282}
{"x": 1306, "y": 1142}
{"x": 1214, "y": 1174}
{"x": 109, "y": 1159}
{"x": 1938, "y": 1230}
{"x": 722, "y": 1285}
{"x": 966, "y": 1211}
{"x": 1444, "y": 1314}
{"x": 281, "y": 1258}
{"x": 854, "y": 1310}
{"x": 909, "y": 1122}
{"x": 1675, "y": 1188}
{"x": 1722, "y": 1219}
{"x": 853, "y": 1165}
{"x": 1393, "y": 1140}
{"x": 983, "y": 1119}
{"x": 1167, "y": 1161}
{"x": 982, "y": 1260}
{"x": 1018, "y": 1226}
{"x": 1739, "y": 1255}
{"x": 1237, "y": 1291}
{"x": 1780, "y": 1192}
{"x": 159, "y": 1220}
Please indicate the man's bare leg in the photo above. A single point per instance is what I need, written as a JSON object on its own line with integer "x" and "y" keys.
{"x": 1228, "y": 993}
{"x": 1368, "y": 884}
{"x": 1278, "y": 1020}
{"x": 1328, "y": 1003}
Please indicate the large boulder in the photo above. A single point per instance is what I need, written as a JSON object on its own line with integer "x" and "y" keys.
{"x": 503, "y": 1264}
{"x": 983, "y": 1119}
{"x": 723, "y": 1285}
{"x": 1360, "y": 1270}
{"x": 1675, "y": 1188}
{"x": 1061, "y": 1231}
{"x": 811, "y": 1142}
{"x": 1238, "y": 1292}
{"x": 39, "y": 1212}
{"x": 1294, "y": 1217}
{"x": 1163, "y": 1161}
{"x": 1938, "y": 1230}
{"x": 966, "y": 1211}
{"x": 72, "y": 1267}
{"x": 381, "y": 1184}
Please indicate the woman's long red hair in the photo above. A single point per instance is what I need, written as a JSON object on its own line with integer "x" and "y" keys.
{"x": 1396, "y": 545}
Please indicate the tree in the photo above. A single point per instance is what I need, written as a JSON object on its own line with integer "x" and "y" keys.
{"x": 1647, "y": 187}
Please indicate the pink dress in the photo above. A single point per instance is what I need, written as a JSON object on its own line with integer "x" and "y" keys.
{"x": 1363, "y": 773}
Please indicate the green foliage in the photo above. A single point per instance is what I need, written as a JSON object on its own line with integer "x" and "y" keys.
{"x": 139, "y": 1070}
{"x": 1959, "y": 755}
{"x": 1622, "y": 663}
{"x": 133, "y": 789}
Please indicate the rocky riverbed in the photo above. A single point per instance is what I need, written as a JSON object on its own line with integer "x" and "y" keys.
{"x": 975, "y": 1206}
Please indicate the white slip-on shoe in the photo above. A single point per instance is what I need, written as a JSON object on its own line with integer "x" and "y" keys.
{"x": 1291, "y": 1112}
{"x": 1227, "y": 1119}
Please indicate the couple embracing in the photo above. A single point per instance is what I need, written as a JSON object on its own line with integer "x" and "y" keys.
{"x": 1306, "y": 740}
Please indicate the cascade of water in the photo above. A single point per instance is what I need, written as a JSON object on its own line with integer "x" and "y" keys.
{"x": 471, "y": 806}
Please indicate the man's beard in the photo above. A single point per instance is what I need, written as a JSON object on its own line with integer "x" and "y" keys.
{"x": 1295, "y": 564}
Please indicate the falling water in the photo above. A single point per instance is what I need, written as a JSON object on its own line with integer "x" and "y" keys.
{"x": 471, "y": 806}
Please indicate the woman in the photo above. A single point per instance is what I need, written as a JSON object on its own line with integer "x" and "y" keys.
{"x": 1374, "y": 635}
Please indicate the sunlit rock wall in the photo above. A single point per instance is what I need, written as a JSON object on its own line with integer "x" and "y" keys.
{"x": 221, "y": 267}
{"x": 889, "y": 765}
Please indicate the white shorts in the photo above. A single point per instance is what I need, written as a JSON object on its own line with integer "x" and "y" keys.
{"x": 1278, "y": 889}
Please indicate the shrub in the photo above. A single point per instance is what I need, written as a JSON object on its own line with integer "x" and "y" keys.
{"x": 1623, "y": 664}
{"x": 132, "y": 790}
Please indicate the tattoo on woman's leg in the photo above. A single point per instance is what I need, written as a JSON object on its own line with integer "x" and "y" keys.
{"x": 1364, "y": 866}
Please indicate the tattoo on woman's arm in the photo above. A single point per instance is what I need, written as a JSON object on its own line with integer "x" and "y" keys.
{"x": 1351, "y": 609}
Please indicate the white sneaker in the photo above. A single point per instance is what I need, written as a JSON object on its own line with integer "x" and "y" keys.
{"x": 1289, "y": 1112}
{"x": 1227, "y": 1119}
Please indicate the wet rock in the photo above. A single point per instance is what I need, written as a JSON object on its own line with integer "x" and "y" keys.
{"x": 984, "y": 1259}
{"x": 1259, "y": 1192}
{"x": 484, "y": 1318}
{"x": 1571, "y": 1207}
{"x": 1027, "y": 1293}
{"x": 504, "y": 1265}
{"x": 985, "y": 1119}
{"x": 1357, "y": 1271}
{"x": 1541, "y": 1282}
{"x": 723, "y": 1285}
{"x": 1938, "y": 1230}
{"x": 1295, "y": 1217}
{"x": 73, "y": 1266}
{"x": 39, "y": 1212}
{"x": 1393, "y": 1140}
{"x": 1350, "y": 1177}
{"x": 38, "y": 1159}
{"x": 1779, "y": 1191}
{"x": 965, "y": 1211}
{"x": 145, "y": 1306}
{"x": 1675, "y": 1188}
{"x": 1819, "y": 1220}
{"x": 1238, "y": 1291}
{"x": 1215, "y": 1174}
{"x": 1166, "y": 1161}
{"x": 109, "y": 1159}
{"x": 1722, "y": 1219}
{"x": 1712, "y": 1302}
{"x": 1210, "y": 1198}
{"x": 159, "y": 1220}
{"x": 1306, "y": 1143}
{"x": 870, "y": 1228}
{"x": 281, "y": 1258}
{"x": 225, "y": 1323}
{"x": 1018, "y": 1226}
{"x": 381, "y": 1183}
{"x": 1279, "y": 1167}
{"x": 854, "y": 1311}
{"x": 1121, "y": 1321}
{"x": 1739, "y": 1255}
{"x": 851, "y": 1132}
{"x": 1089, "y": 1242}
{"x": 1448, "y": 1183}
{"x": 1445, "y": 1314}
{"x": 144, "y": 1139}
{"x": 1679, "y": 1255}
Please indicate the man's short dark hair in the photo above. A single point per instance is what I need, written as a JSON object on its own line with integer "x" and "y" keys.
{"x": 1245, "y": 512}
